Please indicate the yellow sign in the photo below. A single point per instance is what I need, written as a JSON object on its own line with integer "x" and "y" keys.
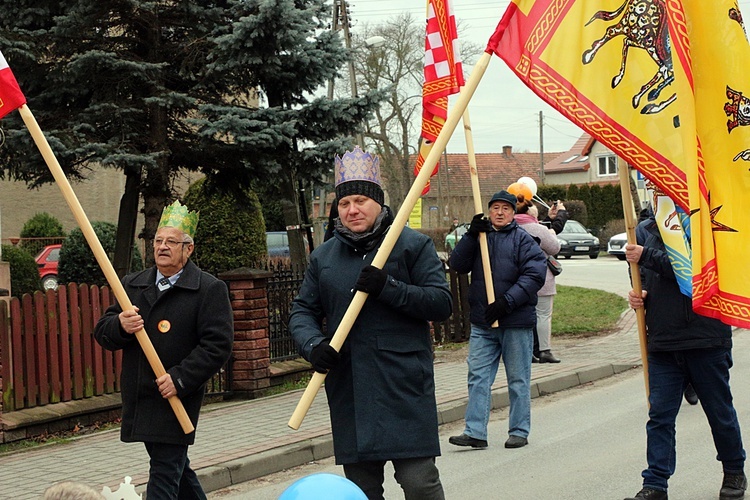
{"x": 415, "y": 217}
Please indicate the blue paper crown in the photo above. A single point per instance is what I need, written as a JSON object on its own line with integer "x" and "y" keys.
{"x": 357, "y": 165}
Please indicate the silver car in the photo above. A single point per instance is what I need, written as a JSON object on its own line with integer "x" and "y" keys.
{"x": 616, "y": 245}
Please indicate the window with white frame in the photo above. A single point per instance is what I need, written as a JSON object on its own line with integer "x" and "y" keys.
{"x": 607, "y": 165}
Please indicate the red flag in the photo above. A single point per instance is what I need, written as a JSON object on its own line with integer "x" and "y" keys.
{"x": 663, "y": 84}
{"x": 10, "y": 94}
{"x": 443, "y": 74}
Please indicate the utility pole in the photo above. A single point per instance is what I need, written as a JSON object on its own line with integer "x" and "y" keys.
{"x": 541, "y": 147}
{"x": 346, "y": 24}
{"x": 335, "y": 26}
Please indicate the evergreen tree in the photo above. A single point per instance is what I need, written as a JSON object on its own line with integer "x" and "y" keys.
{"x": 223, "y": 87}
{"x": 37, "y": 229}
{"x": 231, "y": 232}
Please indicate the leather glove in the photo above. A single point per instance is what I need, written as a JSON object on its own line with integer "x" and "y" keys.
{"x": 323, "y": 357}
{"x": 497, "y": 310}
{"x": 479, "y": 225}
{"x": 371, "y": 280}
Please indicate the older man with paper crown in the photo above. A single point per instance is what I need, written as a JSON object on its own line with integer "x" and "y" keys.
{"x": 188, "y": 317}
{"x": 380, "y": 387}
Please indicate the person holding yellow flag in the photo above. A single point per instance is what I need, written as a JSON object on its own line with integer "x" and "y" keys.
{"x": 380, "y": 387}
{"x": 683, "y": 348}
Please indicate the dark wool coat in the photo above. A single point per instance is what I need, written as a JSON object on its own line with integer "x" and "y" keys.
{"x": 382, "y": 393}
{"x": 197, "y": 344}
{"x": 670, "y": 320}
{"x": 519, "y": 268}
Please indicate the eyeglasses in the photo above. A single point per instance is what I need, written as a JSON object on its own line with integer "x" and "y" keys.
{"x": 169, "y": 242}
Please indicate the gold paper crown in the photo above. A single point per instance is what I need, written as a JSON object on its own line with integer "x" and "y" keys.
{"x": 177, "y": 215}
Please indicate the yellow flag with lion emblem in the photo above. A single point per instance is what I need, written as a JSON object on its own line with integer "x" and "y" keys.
{"x": 665, "y": 84}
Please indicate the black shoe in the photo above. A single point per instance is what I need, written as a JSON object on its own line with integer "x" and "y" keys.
{"x": 733, "y": 486}
{"x": 649, "y": 494}
{"x": 535, "y": 359}
{"x": 690, "y": 395}
{"x": 516, "y": 442}
{"x": 547, "y": 357}
{"x": 464, "y": 440}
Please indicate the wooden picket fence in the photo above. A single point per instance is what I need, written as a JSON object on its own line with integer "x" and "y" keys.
{"x": 47, "y": 348}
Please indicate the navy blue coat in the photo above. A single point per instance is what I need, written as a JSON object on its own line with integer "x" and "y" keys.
{"x": 196, "y": 346}
{"x": 382, "y": 394}
{"x": 519, "y": 268}
{"x": 670, "y": 320}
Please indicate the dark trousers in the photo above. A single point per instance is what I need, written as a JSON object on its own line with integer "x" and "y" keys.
{"x": 418, "y": 477}
{"x": 170, "y": 476}
{"x": 669, "y": 373}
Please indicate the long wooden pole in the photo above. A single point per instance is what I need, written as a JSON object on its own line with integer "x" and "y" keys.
{"x": 479, "y": 208}
{"x": 635, "y": 273}
{"x": 394, "y": 232}
{"x": 101, "y": 256}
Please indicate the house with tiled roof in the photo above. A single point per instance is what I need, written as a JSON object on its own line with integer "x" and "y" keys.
{"x": 588, "y": 161}
{"x": 450, "y": 192}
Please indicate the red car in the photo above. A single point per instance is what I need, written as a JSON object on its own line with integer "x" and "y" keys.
{"x": 47, "y": 261}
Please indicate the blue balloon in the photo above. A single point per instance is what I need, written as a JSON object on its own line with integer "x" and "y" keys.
{"x": 323, "y": 486}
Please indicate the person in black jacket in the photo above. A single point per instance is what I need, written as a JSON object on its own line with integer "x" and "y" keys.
{"x": 683, "y": 348}
{"x": 381, "y": 385}
{"x": 188, "y": 318}
{"x": 519, "y": 268}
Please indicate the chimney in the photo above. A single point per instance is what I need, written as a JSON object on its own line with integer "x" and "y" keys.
{"x": 507, "y": 151}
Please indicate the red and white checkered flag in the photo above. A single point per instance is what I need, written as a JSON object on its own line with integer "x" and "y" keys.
{"x": 443, "y": 74}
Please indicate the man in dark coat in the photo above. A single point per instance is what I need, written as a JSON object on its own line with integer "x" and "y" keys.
{"x": 683, "y": 348}
{"x": 519, "y": 268}
{"x": 187, "y": 315}
{"x": 380, "y": 387}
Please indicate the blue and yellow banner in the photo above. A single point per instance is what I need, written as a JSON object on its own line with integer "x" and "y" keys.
{"x": 665, "y": 84}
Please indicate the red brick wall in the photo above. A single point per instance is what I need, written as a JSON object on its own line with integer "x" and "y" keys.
{"x": 252, "y": 357}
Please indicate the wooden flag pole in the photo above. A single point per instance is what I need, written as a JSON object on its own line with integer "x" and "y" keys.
{"x": 479, "y": 208}
{"x": 635, "y": 273}
{"x": 394, "y": 232}
{"x": 101, "y": 256}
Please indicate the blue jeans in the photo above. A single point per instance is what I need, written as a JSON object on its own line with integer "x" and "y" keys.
{"x": 486, "y": 346}
{"x": 669, "y": 373}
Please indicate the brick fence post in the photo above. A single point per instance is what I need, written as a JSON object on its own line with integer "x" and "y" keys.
{"x": 252, "y": 356}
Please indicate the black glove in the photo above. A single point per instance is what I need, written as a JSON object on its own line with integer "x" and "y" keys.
{"x": 497, "y": 310}
{"x": 371, "y": 280}
{"x": 479, "y": 225}
{"x": 323, "y": 357}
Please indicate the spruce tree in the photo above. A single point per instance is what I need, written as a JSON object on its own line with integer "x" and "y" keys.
{"x": 223, "y": 87}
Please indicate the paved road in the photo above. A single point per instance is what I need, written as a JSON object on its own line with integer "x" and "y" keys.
{"x": 242, "y": 440}
{"x": 605, "y": 273}
{"x": 587, "y": 443}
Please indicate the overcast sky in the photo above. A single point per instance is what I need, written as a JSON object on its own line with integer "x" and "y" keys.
{"x": 504, "y": 112}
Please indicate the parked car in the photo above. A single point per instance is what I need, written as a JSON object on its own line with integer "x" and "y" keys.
{"x": 277, "y": 243}
{"x": 616, "y": 245}
{"x": 453, "y": 236}
{"x": 47, "y": 261}
{"x": 575, "y": 239}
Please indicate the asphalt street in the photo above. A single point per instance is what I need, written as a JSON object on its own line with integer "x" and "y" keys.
{"x": 587, "y": 443}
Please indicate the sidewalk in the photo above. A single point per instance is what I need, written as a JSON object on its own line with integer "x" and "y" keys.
{"x": 239, "y": 441}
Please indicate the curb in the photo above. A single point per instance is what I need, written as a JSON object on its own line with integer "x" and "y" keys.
{"x": 285, "y": 457}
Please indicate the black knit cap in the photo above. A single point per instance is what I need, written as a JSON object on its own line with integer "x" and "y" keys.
{"x": 365, "y": 188}
{"x": 504, "y": 196}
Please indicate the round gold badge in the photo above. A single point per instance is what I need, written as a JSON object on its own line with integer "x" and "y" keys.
{"x": 164, "y": 326}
